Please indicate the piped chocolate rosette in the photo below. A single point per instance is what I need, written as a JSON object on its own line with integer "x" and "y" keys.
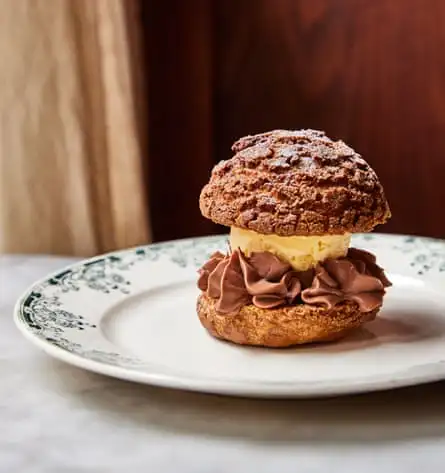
{"x": 292, "y": 199}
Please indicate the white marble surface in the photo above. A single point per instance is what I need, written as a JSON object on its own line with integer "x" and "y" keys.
{"x": 55, "y": 418}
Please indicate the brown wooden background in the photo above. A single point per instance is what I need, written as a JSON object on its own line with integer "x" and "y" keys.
{"x": 369, "y": 72}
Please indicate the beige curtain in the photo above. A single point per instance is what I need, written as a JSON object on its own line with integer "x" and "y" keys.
{"x": 71, "y": 168}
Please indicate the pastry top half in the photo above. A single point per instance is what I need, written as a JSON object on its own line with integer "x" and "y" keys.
{"x": 295, "y": 183}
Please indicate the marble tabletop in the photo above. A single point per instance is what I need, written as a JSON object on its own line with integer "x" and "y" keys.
{"x": 55, "y": 418}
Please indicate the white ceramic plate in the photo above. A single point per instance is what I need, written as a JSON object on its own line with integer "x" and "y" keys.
{"x": 131, "y": 315}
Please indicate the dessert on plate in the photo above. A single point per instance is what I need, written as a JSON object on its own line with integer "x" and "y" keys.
{"x": 292, "y": 200}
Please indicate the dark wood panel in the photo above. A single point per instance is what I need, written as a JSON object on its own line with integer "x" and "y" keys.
{"x": 180, "y": 130}
{"x": 369, "y": 72}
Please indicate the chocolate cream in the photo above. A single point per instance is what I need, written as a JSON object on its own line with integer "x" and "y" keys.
{"x": 264, "y": 280}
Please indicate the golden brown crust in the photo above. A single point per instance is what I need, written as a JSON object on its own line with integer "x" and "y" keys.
{"x": 295, "y": 183}
{"x": 284, "y": 326}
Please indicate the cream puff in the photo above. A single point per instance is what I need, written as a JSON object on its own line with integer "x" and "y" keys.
{"x": 292, "y": 200}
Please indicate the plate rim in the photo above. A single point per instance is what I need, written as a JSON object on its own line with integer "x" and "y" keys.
{"x": 417, "y": 374}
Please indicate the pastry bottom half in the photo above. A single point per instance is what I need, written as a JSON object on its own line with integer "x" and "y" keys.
{"x": 283, "y": 326}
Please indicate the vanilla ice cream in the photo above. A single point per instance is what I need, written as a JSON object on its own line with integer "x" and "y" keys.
{"x": 302, "y": 252}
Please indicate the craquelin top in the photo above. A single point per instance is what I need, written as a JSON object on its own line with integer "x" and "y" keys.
{"x": 295, "y": 183}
